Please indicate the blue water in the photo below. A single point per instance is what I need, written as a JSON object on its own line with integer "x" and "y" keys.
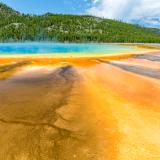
{"x": 52, "y": 48}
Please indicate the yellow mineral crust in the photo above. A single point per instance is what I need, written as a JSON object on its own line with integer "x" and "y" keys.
{"x": 84, "y": 108}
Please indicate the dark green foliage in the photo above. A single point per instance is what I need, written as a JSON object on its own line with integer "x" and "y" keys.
{"x": 6, "y": 11}
{"x": 72, "y": 28}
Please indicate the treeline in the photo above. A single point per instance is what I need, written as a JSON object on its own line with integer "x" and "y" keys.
{"x": 71, "y": 28}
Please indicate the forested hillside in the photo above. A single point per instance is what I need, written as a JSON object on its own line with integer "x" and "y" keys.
{"x": 72, "y": 28}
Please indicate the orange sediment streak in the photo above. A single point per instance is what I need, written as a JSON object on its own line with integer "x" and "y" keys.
{"x": 134, "y": 104}
{"x": 118, "y": 111}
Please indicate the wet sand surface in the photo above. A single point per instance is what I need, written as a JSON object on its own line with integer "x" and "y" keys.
{"x": 92, "y": 109}
{"x": 149, "y": 57}
{"x": 146, "y": 71}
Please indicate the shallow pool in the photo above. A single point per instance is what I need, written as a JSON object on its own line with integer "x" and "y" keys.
{"x": 63, "y": 48}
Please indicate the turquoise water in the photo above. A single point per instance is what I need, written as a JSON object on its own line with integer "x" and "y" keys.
{"x": 51, "y": 48}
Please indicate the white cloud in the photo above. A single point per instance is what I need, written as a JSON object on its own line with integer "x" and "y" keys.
{"x": 127, "y": 10}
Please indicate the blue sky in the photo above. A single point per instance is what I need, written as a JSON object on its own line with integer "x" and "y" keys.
{"x": 143, "y": 12}
{"x": 43, "y": 6}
